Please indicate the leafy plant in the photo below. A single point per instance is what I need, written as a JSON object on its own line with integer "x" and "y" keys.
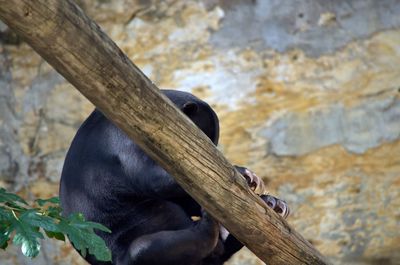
{"x": 26, "y": 226}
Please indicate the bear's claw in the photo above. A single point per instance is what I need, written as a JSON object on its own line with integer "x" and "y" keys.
{"x": 255, "y": 182}
{"x": 279, "y": 206}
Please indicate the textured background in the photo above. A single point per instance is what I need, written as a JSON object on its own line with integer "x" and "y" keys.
{"x": 308, "y": 94}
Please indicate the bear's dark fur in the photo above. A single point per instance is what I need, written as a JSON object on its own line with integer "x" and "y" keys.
{"x": 109, "y": 179}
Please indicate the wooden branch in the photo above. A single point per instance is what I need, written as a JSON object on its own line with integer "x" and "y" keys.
{"x": 79, "y": 50}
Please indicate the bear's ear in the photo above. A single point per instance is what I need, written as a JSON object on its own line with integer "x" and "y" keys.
{"x": 190, "y": 108}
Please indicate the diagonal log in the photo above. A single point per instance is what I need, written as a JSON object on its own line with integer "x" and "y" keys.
{"x": 80, "y": 51}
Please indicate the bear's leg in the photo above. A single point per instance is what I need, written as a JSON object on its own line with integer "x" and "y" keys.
{"x": 186, "y": 246}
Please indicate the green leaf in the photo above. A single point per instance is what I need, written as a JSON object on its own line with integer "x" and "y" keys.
{"x": 57, "y": 235}
{"x": 92, "y": 225}
{"x": 53, "y": 200}
{"x": 5, "y": 215}
{"x": 26, "y": 236}
{"x": 16, "y": 206}
{"x": 82, "y": 236}
{"x": 54, "y": 212}
{"x": 30, "y": 246}
{"x": 35, "y": 219}
{"x": 10, "y": 197}
{"x": 4, "y": 245}
{"x": 27, "y": 223}
{"x": 99, "y": 248}
{"x": 4, "y": 237}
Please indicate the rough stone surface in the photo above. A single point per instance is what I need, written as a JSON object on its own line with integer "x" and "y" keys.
{"x": 315, "y": 26}
{"x": 307, "y": 93}
{"x": 357, "y": 128}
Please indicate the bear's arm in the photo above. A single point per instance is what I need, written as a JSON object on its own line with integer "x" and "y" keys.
{"x": 146, "y": 177}
{"x": 160, "y": 184}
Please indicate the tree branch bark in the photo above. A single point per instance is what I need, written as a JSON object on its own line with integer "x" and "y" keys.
{"x": 80, "y": 51}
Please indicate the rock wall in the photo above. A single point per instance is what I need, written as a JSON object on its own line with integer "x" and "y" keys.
{"x": 308, "y": 94}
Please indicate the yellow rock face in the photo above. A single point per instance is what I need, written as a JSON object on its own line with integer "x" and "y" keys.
{"x": 308, "y": 97}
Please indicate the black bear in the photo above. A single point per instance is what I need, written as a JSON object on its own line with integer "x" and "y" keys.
{"x": 109, "y": 179}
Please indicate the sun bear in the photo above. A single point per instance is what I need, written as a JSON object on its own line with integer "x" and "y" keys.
{"x": 109, "y": 179}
